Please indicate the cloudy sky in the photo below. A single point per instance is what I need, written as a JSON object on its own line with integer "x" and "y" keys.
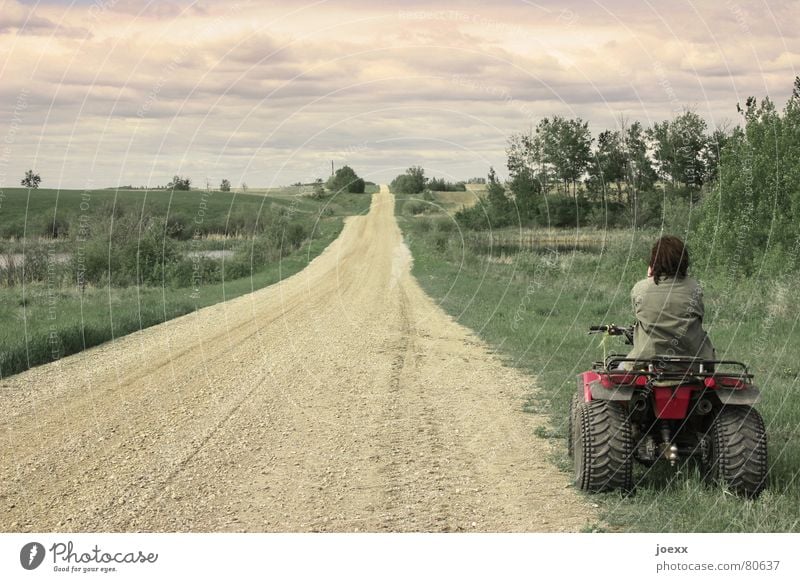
{"x": 107, "y": 92}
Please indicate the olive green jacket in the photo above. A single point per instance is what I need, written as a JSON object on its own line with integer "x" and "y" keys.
{"x": 669, "y": 319}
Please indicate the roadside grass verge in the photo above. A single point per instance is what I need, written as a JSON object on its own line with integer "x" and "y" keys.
{"x": 535, "y": 306}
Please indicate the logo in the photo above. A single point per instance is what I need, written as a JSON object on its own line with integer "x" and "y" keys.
{"x": 32, "y": 555}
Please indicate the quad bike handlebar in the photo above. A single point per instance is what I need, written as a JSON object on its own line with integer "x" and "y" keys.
{"x": 612, "y": 329}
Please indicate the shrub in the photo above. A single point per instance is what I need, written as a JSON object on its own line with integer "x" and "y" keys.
{"x": 412, "y": 182}
{"x": 346, "y": 180}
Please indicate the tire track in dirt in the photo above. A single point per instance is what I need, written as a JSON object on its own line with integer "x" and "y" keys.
{"x": 341, "y": 399}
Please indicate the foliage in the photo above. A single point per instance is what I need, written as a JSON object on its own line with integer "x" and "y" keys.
{"x": 412, "y": 182}
{"x": 346, "y": 180}
{"x": 749, "y": 220}
{"x": 318, "y": 190}
{"x": 179, "y": 183}
{"x": 679, "y": 149}
{"x": 442, "y": 185}
{"x": 225, "y": 185}
{"x": 31, "y": 180}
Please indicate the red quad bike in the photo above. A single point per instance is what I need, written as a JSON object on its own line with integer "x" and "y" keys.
{"x": 666, "y": 409}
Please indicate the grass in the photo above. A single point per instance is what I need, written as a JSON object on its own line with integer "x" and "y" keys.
{"x": 42, "y": 321}
{"x": 534, "y": 308}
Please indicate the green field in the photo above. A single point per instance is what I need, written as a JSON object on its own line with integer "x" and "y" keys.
{"x": 534, "y": 305}
{"x": 144, "y": 259}
{"x": 29, "y": 214}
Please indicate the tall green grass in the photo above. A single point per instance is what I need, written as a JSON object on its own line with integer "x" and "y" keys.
{"x": 41, "y": 324}
{"x": 535, "y": 307}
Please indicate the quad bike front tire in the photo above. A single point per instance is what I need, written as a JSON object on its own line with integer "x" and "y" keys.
{"x": 602, "y": 447}
{"x": 737, "y": 451}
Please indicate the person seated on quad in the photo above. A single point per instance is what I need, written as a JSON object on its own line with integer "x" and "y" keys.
{"x": 669, "y": 309}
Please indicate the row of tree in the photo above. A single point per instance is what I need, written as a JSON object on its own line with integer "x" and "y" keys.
{"x": 735, "y": 192}
{"x": 559, "y": 152}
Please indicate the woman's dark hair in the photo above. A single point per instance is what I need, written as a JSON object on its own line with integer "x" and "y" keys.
{"x": 669, "y": 257}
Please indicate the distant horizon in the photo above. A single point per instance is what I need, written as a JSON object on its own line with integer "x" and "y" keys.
{"x": 134, "y": 92}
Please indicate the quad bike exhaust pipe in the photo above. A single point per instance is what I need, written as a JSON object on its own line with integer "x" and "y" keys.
{"x": 704, "y": 406}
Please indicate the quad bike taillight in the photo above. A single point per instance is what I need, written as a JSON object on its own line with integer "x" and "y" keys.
{"x": 725, "y": 382}
{"x": 612, "y": 380}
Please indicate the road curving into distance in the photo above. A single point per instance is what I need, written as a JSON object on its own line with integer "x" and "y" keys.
{"x": 341, "y": 399}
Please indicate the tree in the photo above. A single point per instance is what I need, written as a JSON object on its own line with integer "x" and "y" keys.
{"x": 225, "y": 185}
{"x": 31, "y": 180}
{"x": 244, "y": 186}
{"x": 711, "y": 154}
{"x": 527, "y": 192}
{"x": 412, "y": 182}
{"x": 576, "y": 143}
{"x": 749, "y": 219}
{"x": 566, "y": 146}
{"x": 610, "y": 160}
{"x": 521, "y": 154}
{"x": 179, "y": 183}
{"x": 499, "y": 205}
{"x": 526, "y": 155}
{"x": 678, "y": 149}
{"x": 639, "y": 172}
{"x": 346, "y": 180}
{"x": 318, "y": 190}
{"x": 689, "y": 130}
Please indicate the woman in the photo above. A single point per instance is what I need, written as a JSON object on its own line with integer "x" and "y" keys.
{"x": 669, "y": 307}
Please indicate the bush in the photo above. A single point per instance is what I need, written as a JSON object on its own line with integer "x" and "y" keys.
{"x": 563, "y": 211}
{"x": 412, "y": 182}
{"x": 179, "y": 227}
{"x": 131, "y": 252}
{"x": 415, "y": 207}
{"x": 54, "y": 227}
{"x": 475, "y": 217}
{"x": 445, "y": 225}
{"x": 346, "y": 180}
{"x": 609, "y": 215}
{"x": 442, "y": 185}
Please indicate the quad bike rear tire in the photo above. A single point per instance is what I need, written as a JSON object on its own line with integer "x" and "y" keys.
{"x": 602, "y": 447}
{"x": 737, "y": 451}
{"x": 577, "y": 399}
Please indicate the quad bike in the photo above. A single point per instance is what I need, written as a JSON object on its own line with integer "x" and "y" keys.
{"x": 666, "y": 409}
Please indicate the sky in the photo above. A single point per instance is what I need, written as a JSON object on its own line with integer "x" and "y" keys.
{"x": 101, "y": 93}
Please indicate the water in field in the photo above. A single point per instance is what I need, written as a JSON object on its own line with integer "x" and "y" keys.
{"x": 18, "y": 259}
{"x": 217, "y": 255}
{"x": 512, "y": 244}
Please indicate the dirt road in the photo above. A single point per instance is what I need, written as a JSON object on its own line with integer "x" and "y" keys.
{"x": 341, "y": 399}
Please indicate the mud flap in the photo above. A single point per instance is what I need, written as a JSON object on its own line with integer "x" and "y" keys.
{"x": 617, "y": 393}
{"x": 747, "y": 397}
